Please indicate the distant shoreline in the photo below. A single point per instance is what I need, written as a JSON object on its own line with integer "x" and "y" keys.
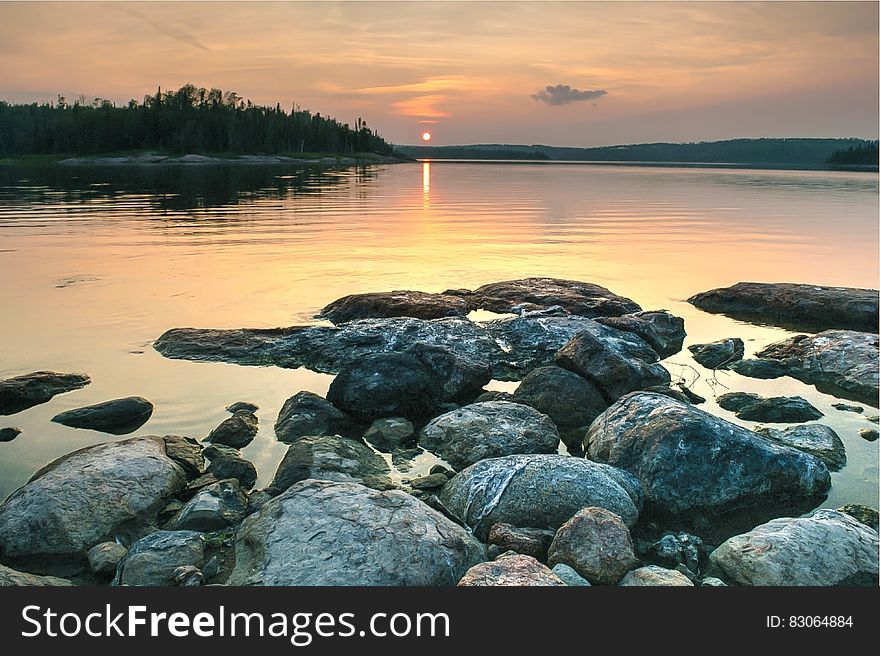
{"x": 853, "y": 168}
{"x": 192, "y": 159}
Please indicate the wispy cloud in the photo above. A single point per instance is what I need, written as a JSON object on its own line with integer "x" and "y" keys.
{"x": 167, "y": 30}
{"x": 562, "y": 94}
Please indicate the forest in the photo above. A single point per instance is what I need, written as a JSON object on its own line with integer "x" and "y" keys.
{"x": 189, "y": 120}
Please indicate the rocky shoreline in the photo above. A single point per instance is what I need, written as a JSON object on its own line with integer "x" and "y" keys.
{"x": 652, "y": 491}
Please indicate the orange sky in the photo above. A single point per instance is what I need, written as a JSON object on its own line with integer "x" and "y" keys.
{"x": 478, "y": 71}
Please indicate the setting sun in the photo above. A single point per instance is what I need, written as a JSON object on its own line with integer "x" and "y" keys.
{"x": 426, "y": 136}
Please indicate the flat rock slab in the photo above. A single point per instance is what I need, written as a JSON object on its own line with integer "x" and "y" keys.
{"x": 826, "y": 548}
{"x": 23, "y": 392}
{"x": 117, "y": 417}
{"x": 838, "y": 362}
{"x": 326, "y": 533}
{"x": 401, "y": 303}
{"x": 794, "y": 306}
{"x": 510, "y": 570}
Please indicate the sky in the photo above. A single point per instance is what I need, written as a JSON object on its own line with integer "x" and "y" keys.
{"x": 556, "y": 73}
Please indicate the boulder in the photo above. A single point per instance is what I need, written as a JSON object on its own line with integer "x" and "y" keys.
{"x": 104, "y": 557}
{"x": 825, "y": 548}
{"x": 779, "y": 410}
{"x": 429, "y": 482}
{"x": 332, "y": 458}
{"x": 838, "y": 362}
{"x": 869, "y": 434}
{"x": 247, "y": 406}
{"x": 569, "y": 400}
{"x": 754, "y": 368}
{"x": 528, "y": 541}
{"x": 9, "y": 433}
{"x": 213, "y": 508}
{"x": 390, "y": 433}
{"x": 652, "y": 575}
{"x": 720, "y": 354}
{"x": 90, "y": 496}
{"x": 237, "y": 432}
{"x": 488, "y": 430}
{"x": 510, "y": 570}
{"x": 382, "y": 305}
{"x": 329, "y": 533}
{"x": 23, "y": 392}
{"x": 794, "y": 306}
{"x": 674, "y": 549}
{"x": 227, "y": 462}
{"x": 736, "y": 401}
{"x": 690, "y": 462}
{"x": 596, "y": 544}
{"x": 154, "y": 559}
{"x": 117, "y": 417}
{"x": 569, "y": 576}
{"x": 846, "y": 407}
{"x": 538, "y": 491}
{"x": 186, "y": 452}
{"x": 865, "y": 514}
{"x": 662, "y": 331}
{"x": 10, "y": 577}
{"x": 458, "y": 379}
{"x": 307, "y": 413}
{"x": 815, "y": 439}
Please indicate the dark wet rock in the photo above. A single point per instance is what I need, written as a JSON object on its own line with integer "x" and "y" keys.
{"x": 569, "y": 400}
{"x": 510, "y": 570}
{"x": 838, "y": 362}
{"x": 328, "y": 533}
{"x": 332, "y": 458}
{"x": 488, "y": 430}
{"x": 154, "y": 559}
{"x": 188, "y": 576}
{"x": 662, "y": 331}
{"x": 794, "y": 306}
{"x": 186, "y": 452}
{"x": 580, "y": 298}
{"x": 213, "y": 508}
{"x": 735, "y": 401}
{"x": 237, "y": 432}
{"x": 692, "y": 462}
{"x": 846, "y": 407}
{"x": 402, "y": 458}
{"x": 9, "y": 433}
{"x": 390, "y": 433}
{"x": 874, "y": 419}
{"x": 569, "y": 576}
{"x": 104, "y": 557}
{"x": 11, "y": 577}
{"x": 169, "y": 510}
{"x": 383, "y": 305}
{"x": 459, "y": 379}
{"x": 720, "y": 354}
{"x": 652, "y": 575}
{"x": 780, "y": 410}
{"x": 816, "y": 439}
{"x": 387, "y": 385}
{"x": 689, "y": 395}
{"x": 754, "y": 368}
{"x": 211, "y": 568}
{"x": 440, "y": 469}
{"x": 196, "y": 484}
{"x": 247, "y": 406}
{"x": 117, "y": 417}
{"x": 596, "y": 544}
{"x": 672, "y": 392}
{"x": 494, "y": 395}
{"x": 23, "y": 392}
{"x": 227, "y": 462}
{"x": 675, "y": 549}
{"x": 429, "y": 482}
{"x": 538, "y": 491}
{"x": 307, "y": 413}
{"x": 825, "y": 548}
{"x": 529, "y": 541}
{"x": 865, "y": 514}
{"x": 259, "y": 498}
{"x": 869, "y": 434}
{"x": 89, "y": 496}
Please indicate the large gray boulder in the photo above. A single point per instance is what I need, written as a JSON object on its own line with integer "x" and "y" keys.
{"x": 332, "y": 458}
{"x": 488, "y": 430}
{"x": 154, "y": 559}
{"x": 117, "y": 417}
{"x": 538, "y": 491}
{"x": 90, "y": 496}
{"x": 692, "y": 462}
{"x": 25, "y": 391}
{"x": 328, "y": 533}
{"x": 825, "y": 548}
{"x": 400, "y": 303}
{"x": 307, "y": 413}
{"x": 510, "y": 570}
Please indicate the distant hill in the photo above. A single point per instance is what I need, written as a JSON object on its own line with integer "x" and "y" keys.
{"x": 775, "y": 153}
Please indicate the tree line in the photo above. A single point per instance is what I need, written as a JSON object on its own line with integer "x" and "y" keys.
{"x": 188, "y": 120}
{"x": 862, "y": 154}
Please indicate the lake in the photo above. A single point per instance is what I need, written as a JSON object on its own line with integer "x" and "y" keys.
{"x": 96, "y": 263}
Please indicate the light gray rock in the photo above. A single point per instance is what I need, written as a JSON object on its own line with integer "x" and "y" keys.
{"x": 488, "y": 430}
{"x": 596, "y": 544}
{"x": 652, "y": 575}
{"x": 104, "y": 557}
{"x": 328, "y": 533}
{"x": 155, "y": 559}
{"x": 307, "y": 413}
{"x": 510, "y": 570}
{"x": 538, "y": 491}
{"x": 569, "y": 576}
{"x": 332, "y": 458}
{"x": 390, "y": 433}
{"x": 815, "y": 439}
{"x": 712, "y": 582}
{"x": 825, "y": 548}
{"x": 23, "y": 392}
{"x": 90, "y": 496}
{"x": 10, "y": 577}
{"x": 213, "y": 508}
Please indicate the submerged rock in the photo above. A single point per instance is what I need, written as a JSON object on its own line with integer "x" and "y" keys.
{"x": 825, "y": 548}
{"x": 596, "y": 544}
{"x": 155, "y": 559}
{"x": 383, "y": 305}
{"x": 213, "y": 508}
{"x": 332, "y": 458}
{"x": 104, "y": 557}
{"x": 538, "y": 491}
{"x": 117, "y": 417}
{"x": 510, "y": 570}
{"x": 662, "y": 331}
{"x": 846, "y": 407}
{"x": 90, "y": 496}
{"x": 9, "y": 433}
{"x": 23, "y": 392}
{"x": 799, "y": 307}
{"x": 815, "y": 439}
{"x": 720, "y": 354}
{"x": 327, "y": 533}
{"x": 390, "y": 433}
{"x": 10, "y": 577}
{"x": 237, "y": 432}
{"x": 528, "y": 541}
{"x": 838, "y": 362}
{"x": 652, "y": 575}
{"x": 307, "y": 413}
{"x": 488, "y": 430}
{"x": 692, "y": 462}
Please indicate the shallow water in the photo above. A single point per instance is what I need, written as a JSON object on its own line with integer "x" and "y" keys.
{"x": 97, "y": 263}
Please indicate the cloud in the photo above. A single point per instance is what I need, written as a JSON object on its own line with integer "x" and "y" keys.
{"x": 562, "y": 94}
{"x": 167, "y": 30}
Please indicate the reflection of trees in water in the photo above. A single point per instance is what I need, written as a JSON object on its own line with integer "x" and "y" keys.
{"x": 174, "y": 188}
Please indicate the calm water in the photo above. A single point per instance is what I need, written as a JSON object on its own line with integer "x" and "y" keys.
{"x": 97, "y": 263}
